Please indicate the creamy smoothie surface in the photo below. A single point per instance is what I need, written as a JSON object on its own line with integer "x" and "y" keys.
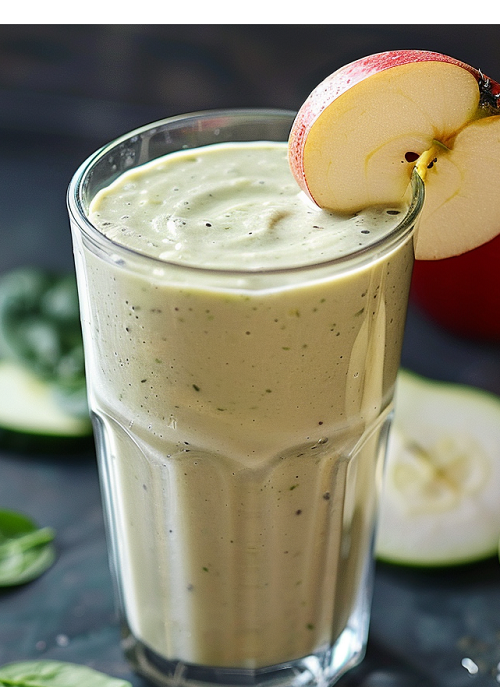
{"x": 243, "y": 422}
{"x": 230, "y": 206}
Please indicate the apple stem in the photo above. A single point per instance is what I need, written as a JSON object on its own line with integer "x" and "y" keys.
{"x": 426, "y": 161}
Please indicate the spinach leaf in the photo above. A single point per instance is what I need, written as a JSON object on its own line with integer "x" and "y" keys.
{"x": 40, "y": 329}
{"x": 26, "y": 551}
{"x": 55, "y": 674}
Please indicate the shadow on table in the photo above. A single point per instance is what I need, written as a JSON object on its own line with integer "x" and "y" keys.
{"x": 382, "y": 668}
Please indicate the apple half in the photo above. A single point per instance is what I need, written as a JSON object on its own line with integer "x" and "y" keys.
{"x": 360, "y": 133}
{"x": 440, "y": 503}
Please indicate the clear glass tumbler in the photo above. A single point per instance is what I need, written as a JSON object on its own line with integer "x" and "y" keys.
{"x": 240, "y": 474}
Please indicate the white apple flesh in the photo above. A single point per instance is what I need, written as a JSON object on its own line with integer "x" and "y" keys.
{"x": 360, "y": 133}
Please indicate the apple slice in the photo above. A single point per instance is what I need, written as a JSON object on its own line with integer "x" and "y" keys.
{"x": 359, "y": 135}
{"x": 440, "y": 502}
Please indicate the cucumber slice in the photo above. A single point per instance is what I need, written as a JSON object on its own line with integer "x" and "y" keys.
{"x": 440, "y": 501}
{"x": 40, "y": 325}
{"x": 30, "y": 415}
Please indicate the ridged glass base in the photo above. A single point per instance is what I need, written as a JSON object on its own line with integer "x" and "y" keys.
{"x": 318, "y": 670}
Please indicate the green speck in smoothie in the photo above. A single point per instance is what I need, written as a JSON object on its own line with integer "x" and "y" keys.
{"x": 196, "y": 387}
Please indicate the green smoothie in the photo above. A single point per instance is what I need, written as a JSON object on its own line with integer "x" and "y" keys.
{"x": 244, "y": 419}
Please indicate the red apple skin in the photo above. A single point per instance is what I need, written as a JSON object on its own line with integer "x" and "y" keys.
{"x": 345, "y": 78}
{"x": 462, "y": 294}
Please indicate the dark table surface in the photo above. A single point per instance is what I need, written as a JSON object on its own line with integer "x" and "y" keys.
{"x": 427, "y": 626}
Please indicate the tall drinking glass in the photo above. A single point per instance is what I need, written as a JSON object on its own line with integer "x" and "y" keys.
{"x": 241, "y": 418}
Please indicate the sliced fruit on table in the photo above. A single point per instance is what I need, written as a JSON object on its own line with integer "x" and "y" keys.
{"x": 440, "y": 501}
{"x": 360, "y": 134}
{"x": 40, "y": 324}
{"x": 29, "y": 405}
{"x": 43, "y": 403}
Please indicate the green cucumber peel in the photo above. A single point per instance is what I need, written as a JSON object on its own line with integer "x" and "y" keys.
{"x": 439, "y": 505}
{"x": 40, "y": 329}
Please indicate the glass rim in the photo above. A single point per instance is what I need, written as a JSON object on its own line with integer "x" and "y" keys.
{"x": 77, "y": 213}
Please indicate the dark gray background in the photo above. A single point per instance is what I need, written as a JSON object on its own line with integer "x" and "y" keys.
{"x": 66, "y": 90}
